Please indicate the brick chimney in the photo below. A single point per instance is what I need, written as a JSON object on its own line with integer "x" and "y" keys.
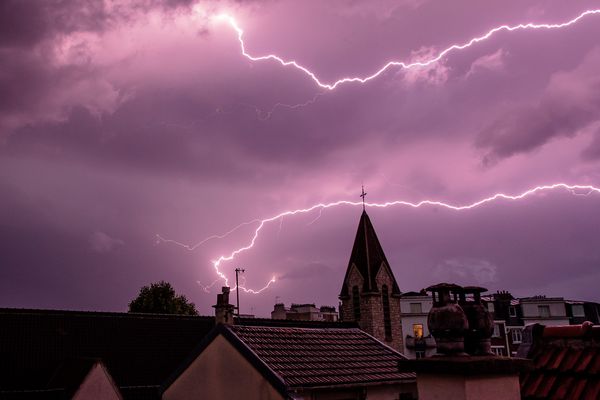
{"x": 224, "y": 310}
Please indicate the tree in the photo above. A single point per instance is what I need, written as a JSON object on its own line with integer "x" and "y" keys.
{"x": 160, "y": 298}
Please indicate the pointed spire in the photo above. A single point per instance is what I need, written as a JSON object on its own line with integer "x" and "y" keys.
{"x": 368, "y": 256}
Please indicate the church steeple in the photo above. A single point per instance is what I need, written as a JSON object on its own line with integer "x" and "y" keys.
{"x": 370, "y": 295}
{"x": 368, "y": 257}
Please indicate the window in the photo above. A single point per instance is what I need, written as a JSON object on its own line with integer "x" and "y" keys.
{"x": 498, "y": 350}
{"x": 490, "y": 306}
{"x": 577, "y": 310}
{"x": 512, "y": 311}
{"x": 416, "y": 308}
{"x": 496, "y": 330}
{"x": 387, "y": 323}
{"x": 419, "y": 354}
{"x": 418, "y": 331}
{"x": 517, "y": 336}
{"x": 544, "y": 311}
{"x": 356, "y": 303}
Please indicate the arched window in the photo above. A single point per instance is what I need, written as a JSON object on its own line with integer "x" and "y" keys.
{"x": 387, "y": 322}
{"x": 356, "y": 303}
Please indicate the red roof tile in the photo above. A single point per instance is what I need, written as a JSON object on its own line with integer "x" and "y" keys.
{"x": 566, "y": 367}
{"x": 592, "y": 391}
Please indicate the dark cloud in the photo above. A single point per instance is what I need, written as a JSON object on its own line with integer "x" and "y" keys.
{"x": 25, "y": 23}
{"x": 123, "y": 120}
{"x": 570, "y": 102}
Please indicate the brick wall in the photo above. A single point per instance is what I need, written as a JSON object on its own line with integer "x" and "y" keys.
{"x": 371, "y": 308}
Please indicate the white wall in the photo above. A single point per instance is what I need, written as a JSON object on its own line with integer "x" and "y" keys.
{"x": 220, "y": 372}
{"x": 458, "y": 387}
{"x": 557, "y": 309}
{"x": 97, "y": 385}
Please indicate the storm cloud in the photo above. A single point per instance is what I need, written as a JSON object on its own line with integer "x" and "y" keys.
{"x": 123, "y": 120}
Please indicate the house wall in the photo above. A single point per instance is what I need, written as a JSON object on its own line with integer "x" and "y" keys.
{"x": 220, "y": 372}
{"x": 97, "y": 385}
{"x": 392, "y": 392}
{"x": 459, "y": 387}
{"x": 531, "y": 314}
{"x": 341, "y": 394}
{"x": 556, "y": 309}
{"x": 379, "y": 392}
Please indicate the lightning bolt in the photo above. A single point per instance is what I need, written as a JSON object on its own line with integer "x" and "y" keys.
{"x": 401, "y": 64}
{"x": 584, "y": 190}
{"x": 159, "y": 239}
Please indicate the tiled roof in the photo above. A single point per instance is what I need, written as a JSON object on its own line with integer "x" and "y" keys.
{"x": 566, "y": 363}
{"x": 368, "y": 256}
{"x": 140, "y": 351}
{"x": 305, "y": 357}
{"x": 137, "y": 349}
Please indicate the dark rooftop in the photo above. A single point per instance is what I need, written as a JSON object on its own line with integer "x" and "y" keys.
{"x": 137, "y": 349}
{"x": 140, "y": 351}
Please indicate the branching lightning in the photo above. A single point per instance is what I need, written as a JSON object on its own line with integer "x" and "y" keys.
{"x": 573, "y": 189}
{"x": 390, "y": 64}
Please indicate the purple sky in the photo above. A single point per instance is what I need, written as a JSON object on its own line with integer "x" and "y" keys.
{"x": 126, "y": 120}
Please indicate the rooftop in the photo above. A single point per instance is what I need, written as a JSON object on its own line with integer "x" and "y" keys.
{"x": 566, "y": 362}
{"x": 316, "y": 357}
{"x": 140, "y": 351}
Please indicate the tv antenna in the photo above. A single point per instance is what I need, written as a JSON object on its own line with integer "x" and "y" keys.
{"x": 237, "y": 288}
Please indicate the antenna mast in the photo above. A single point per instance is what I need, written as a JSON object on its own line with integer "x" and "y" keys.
{"x": 237, "y": 288}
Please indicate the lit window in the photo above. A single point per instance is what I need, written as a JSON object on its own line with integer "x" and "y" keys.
{"x": 416, "y": 308}
{"x": 577, "y": 310}
{"x": 544, "y": 311}
{"x": 517, "y": 335}
{"x": 418, "y": 331}
{"x": 512, "y": 311}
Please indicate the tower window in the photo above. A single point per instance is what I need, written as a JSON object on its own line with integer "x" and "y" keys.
{"x": 387, "y": 323}
{"x": 356, "y": 303}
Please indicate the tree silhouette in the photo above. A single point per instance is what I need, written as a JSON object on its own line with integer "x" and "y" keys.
{"x": 160, "y": 298}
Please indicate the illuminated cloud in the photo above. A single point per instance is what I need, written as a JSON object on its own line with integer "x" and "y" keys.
{"x": 137, "y": 118}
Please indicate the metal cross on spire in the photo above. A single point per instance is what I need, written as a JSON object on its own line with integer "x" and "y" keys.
{"x": 363, "y": 194}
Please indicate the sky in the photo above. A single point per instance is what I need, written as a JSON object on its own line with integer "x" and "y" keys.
{"x": 125, "y": 122}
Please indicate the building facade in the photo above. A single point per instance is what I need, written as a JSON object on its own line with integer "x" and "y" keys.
{"x": 414, "y": 308}
{"x": 304, "y": 312}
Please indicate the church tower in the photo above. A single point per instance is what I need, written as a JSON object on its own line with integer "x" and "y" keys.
{"x": 370, "y": 295}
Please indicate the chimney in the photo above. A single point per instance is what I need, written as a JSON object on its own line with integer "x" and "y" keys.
{"x": 481, "y": 323}
{"x": 463, "y": 368}
{"x": 224, "y": 310}
{"x": 446, "y": 320}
